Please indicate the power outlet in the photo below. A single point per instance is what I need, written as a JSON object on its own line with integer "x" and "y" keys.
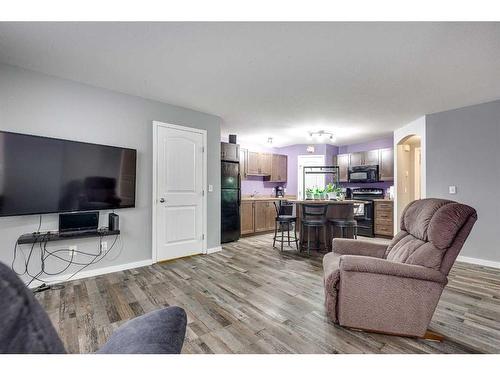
{"x": 104, "y": 246}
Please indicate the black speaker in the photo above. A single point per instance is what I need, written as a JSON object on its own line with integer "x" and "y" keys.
{"x": 114, "y": 222}
{"x": 232, "y": 138}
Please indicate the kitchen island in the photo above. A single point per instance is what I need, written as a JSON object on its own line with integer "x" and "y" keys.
{"x": 336, "y": 210}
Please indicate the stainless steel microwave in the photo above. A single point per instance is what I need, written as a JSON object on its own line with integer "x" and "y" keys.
{"x": 363, "y": 173}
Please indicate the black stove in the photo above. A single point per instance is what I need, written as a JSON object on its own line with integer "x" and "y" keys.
{"x": 364, "y": 212}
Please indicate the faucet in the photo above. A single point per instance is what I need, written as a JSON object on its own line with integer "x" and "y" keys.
{"x": 255, "y": 193}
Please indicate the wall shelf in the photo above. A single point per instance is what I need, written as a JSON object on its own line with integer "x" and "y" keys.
{"x": 56, "y": 236}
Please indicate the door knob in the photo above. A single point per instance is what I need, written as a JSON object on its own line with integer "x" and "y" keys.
{"x": 162, "y": 200}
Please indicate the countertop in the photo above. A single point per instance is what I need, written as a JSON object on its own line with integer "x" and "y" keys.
{"x": 264, "y": 198}
{"x": 314, "y": 201}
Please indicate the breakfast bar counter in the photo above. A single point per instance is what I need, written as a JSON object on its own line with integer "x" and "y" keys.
{"x": 336, "y": 210}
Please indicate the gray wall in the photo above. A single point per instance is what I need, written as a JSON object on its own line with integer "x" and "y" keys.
{"x": 38, "y": 104}
{"x": 463, "y": 149}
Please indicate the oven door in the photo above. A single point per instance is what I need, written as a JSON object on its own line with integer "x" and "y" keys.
{"x": 363, "y": 214}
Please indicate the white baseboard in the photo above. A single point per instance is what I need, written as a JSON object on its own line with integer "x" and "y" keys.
{"x": 214, "y": 249}
{"x": 96, "y": 272}
{"x": 480, "y": 262}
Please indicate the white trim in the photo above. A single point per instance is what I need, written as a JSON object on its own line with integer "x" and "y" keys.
{"x": 416, "y": 127}
{"x": 480, "y": 262}
{"x": 89, "y": 273}
{"x": 300, "y": 177}
{"x": 214, "y": 249}
{"x": 156, "y": 125}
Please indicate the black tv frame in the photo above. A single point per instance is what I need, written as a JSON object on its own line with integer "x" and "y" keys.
{"x": 86, "y": 143}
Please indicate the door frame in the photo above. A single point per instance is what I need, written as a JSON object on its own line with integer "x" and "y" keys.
{"x": 299, "y": 176}
{"x": 156, "y": 126}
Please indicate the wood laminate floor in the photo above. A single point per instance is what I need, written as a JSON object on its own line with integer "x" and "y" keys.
{"x": 250, "y": 298}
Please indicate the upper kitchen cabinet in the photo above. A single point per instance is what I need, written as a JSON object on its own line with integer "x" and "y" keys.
{"x": 279, "y": 167}
{"x": 371, "y": 157}
{"x": 243, "y": 163}
{"x": 356, "y": 158}
{"x": 266, "y": 163}
{"x": 384, "y": 158}
{"x": 343, "y": 164}
{"x": 386, "y": 164}
{"x": 259, "y": 164}
{"x": 253, "y": 163}
{"x": 229, "y": 151}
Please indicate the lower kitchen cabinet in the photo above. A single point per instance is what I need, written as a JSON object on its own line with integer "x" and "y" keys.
{"x": 247, "y": 217}
{"x": 257, "y": 216}
{"x": 264, "y": 216}
{"x": 384, "y": 218}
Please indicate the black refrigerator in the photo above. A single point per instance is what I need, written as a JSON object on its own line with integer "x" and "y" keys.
{"x": 230, "y": 200}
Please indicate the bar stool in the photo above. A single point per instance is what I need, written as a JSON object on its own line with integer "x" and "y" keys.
{"x": 284, "y": 218}
{"x": 314, "y": 216}
{"x": 344, "y": 224}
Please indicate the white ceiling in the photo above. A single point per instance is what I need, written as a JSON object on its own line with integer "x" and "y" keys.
{"x": 280, "y": 80}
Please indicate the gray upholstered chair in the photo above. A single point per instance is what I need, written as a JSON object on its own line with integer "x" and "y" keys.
{"x": 395, "y": 289}
{"x": 26, "y": 328}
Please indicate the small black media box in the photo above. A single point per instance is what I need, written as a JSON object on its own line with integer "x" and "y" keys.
{"x": 78, "y": 222}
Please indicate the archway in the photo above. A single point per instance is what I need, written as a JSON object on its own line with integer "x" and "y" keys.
{"x": 409, "y": 179}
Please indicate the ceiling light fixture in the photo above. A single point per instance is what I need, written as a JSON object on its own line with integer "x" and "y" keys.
{"x": 320, "y": 133}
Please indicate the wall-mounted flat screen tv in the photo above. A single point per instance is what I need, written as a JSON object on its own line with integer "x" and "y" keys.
{"x": 40, "y": 175}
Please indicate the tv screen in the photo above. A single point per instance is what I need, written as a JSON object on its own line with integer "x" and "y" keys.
{"x": 40, "y": 175}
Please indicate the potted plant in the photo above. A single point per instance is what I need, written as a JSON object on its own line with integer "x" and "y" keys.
{"x": 318, "y": 193}
{"x": 333, "y": 191}
{"x": 309, "y": 193}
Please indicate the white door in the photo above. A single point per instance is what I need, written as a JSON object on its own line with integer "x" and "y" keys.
{"x": 179, "y": 203}
{"x": 312, "y": 180}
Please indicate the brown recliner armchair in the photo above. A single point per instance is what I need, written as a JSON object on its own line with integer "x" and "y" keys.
{"x": 395, "y": 289}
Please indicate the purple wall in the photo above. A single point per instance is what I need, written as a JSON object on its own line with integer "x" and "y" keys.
{"x": 294, "y": 151}
{"x": 366, "y": 146}
{"x": 257, "y": 184}
{"x": 265, "y": 188}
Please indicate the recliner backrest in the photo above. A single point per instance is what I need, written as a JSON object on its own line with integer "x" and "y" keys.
{"x": 432, "y": 233}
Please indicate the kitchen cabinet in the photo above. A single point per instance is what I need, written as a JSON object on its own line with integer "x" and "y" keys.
{"x": 384, "y": 158}
{"x": 266, "y": 161}
{"x": 371, "y": 157}
{"x": 229, "y": 151}
{"x": 259, "y": 164}
{"x": 343, "y": 164}
{"x": 279, "y": 167}
{"x": 257, "y": 216}
{"x": 356, "y": 158}
{"x": 384, "y": 218}
{"x": 386, "y": 164}
{"x": 253, "y": 163}
{"x": 243, "y": 163}
{"x": 247, "y": 217}
{"x": 264, "y": 216}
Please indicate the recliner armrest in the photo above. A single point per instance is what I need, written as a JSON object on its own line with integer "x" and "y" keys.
{"x": 352, "y": 263}
{"x": 357, "y": 247}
